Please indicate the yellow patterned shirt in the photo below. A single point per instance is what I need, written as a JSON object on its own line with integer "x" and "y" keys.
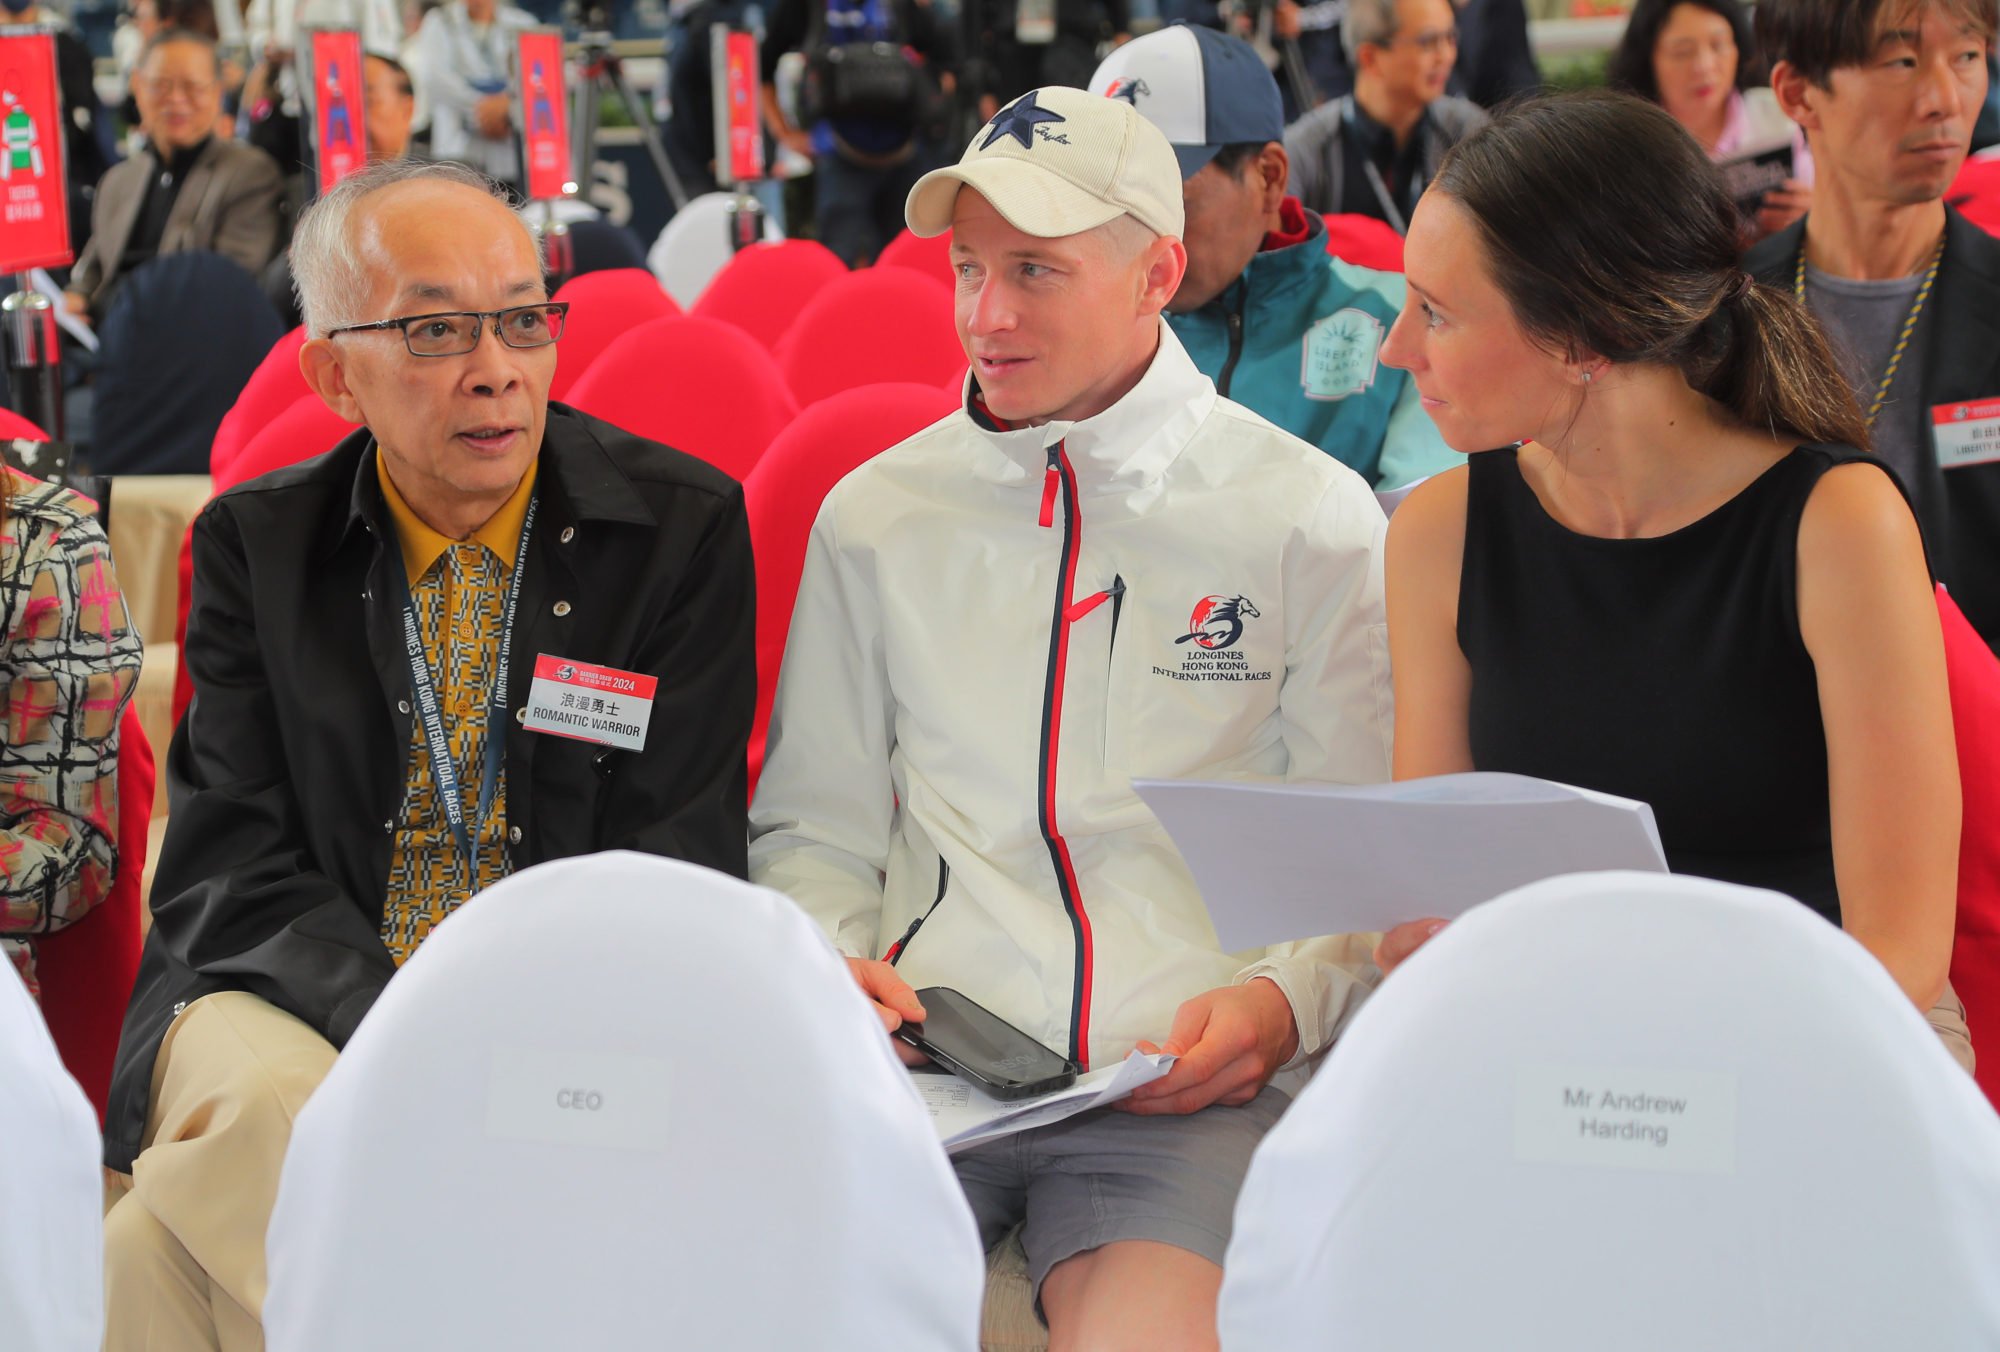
{"x": 459, "y": 588}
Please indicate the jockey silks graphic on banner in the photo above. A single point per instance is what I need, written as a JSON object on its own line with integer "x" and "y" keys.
{"x": 34, "y": 204}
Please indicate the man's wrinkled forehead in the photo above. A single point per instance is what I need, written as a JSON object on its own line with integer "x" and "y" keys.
{"x": 445, "y": 246}
{"x": 181, "y": 54}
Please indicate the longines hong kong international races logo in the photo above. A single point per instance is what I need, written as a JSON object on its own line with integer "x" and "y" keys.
{"x": 1214, "y": 628}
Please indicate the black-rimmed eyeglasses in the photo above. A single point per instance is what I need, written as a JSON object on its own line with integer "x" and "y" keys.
{"x": 452, "y": 333}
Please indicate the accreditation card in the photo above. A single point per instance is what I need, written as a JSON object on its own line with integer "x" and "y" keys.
{"x": 1966, "y": 434}
{"x": 590, "y": 703}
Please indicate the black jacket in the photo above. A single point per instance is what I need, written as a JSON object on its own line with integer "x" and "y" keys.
{"x": 287, "y": 774}
{"x": 1959, "y": 509}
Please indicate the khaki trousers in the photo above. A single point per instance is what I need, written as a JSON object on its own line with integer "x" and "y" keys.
{"x": 184, "y": 1247}
{"x": 1947, "y": 1017}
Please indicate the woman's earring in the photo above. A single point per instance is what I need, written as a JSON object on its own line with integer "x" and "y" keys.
{"x": 1586, "y": 380}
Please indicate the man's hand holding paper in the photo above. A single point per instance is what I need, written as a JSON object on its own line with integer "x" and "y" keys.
{"x": 1229, "y": 1043}
{"x": 1399, "y": 943}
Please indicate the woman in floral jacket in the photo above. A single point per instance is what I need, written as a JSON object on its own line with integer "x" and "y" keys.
{"x": 69, "y": 658}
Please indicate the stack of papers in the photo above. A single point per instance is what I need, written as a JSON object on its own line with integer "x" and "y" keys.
{"x": 965, "y": 1116}
{"x": 1279, "y": 862}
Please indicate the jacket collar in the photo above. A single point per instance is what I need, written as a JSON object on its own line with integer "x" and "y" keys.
{"x": 181, "y": 163}
{"x": 577, "y": 477}
{"x": 1127, "y": 446}
{"x": 1273, "y": 271}
{"x": 1967, "y": 323}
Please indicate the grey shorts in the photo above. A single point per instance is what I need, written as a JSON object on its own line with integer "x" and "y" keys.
{"x": 1105, "y": 1176}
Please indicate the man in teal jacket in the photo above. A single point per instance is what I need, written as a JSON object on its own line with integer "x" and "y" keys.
{"x": 1264, "y": 311}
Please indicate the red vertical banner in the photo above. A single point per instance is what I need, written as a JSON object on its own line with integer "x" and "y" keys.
{"x": 34, "y": 201}
{"x": 739, "y": 130}
{"x": 340, "y": 131}
{"x": 544, "y": 120}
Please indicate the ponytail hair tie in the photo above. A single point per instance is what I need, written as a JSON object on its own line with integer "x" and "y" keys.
{"x": 1739, "y": 289}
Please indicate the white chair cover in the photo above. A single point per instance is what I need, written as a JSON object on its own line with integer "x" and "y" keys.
{"x": 1627, "y": 1111}
{"x": 621, "y": 1102}
{"x": 695, "y": 245}
{"x": 51, "y": 1190}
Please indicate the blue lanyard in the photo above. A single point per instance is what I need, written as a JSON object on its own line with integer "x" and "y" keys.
{"x": 443, "y": 771}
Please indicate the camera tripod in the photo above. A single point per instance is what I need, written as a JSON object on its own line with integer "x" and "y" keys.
{"x": 602, "y": 71}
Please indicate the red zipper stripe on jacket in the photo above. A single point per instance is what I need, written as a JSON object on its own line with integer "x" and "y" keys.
{"x": 1079, "y": 1034}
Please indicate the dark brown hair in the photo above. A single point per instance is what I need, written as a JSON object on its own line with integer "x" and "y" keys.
{"x": 1609, "y": 232}
{"x": 194, "y": 15}
{"x": 1631, "y": 65}
{"x": 1820, "y": 36}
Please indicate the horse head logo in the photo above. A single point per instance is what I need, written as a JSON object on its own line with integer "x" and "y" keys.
{"x": 1217, "y": 621}
{"x": 1128, "y": 89}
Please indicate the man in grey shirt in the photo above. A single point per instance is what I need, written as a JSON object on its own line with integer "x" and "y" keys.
{"x": 1887, "y": 94}
{"x": 1867, "y": 322}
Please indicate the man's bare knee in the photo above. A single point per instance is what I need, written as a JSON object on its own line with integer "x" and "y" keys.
{"x": 1132, "y": 1296}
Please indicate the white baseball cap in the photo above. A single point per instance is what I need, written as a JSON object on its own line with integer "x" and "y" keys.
{"x": 1059, "y": 161}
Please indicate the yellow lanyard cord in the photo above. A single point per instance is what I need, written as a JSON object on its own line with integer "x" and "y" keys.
{"x": 1909, "y": 324}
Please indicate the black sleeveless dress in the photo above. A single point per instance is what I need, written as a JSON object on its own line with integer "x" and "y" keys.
{"x": 1667, "y": 669}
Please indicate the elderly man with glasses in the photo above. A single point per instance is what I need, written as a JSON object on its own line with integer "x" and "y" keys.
{"x": 187, "y": 190}
{"x": 1374, "y": 151}
{"x": 482, "y": 632}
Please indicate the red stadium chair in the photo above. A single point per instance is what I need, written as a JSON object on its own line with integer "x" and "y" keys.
{"x": 304, "y": 429}
{"x": 783, "y": 496}
{"x": 273, "y": 387}
{"x": 764, "y": 287}
{"x": 14, "y": 427}
{"x": 87, "y": 970}
{"x": 931, "y": 257}
{"x": 1364, "y": 241}
{"x": 1974, "y": 673}
{"x": 604, "y": 306}
{"x": 698, "y": 385}
{"x": 869, "y": 328}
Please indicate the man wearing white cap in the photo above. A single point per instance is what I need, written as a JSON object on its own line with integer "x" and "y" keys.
{"x": 1264, "y": 311}
{"x": 1095, "y": 570}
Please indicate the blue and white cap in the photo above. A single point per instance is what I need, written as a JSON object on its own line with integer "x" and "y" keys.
{"x": 1204, "y": 89}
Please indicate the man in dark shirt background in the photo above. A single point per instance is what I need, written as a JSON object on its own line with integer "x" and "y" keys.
{"x": 868, "y": 132}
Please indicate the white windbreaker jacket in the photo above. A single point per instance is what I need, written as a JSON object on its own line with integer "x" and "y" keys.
{"x": 996, "y": 631}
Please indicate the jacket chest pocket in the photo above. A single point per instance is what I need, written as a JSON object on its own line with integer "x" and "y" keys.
{"x": 1191, "y": 689}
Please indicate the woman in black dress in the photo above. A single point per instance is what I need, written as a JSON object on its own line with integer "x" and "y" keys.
{"x": 1689, "y": 583}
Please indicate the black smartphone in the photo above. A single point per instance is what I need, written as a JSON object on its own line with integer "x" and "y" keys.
{"x": 978, "y": 1045}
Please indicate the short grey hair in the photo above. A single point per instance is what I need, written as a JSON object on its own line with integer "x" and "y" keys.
{"x": 1367, "y": 21}
{"x": 327, "y": 273}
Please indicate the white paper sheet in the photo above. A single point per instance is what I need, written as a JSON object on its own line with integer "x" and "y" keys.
{"x": 76, "y": 326}
{"x": 1277, "y": 862}
{"x": 965, "y": 1116}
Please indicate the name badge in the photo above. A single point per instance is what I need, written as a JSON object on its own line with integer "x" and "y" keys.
{"x": 589, "y": 703}
{"x": 1966, "y": 434}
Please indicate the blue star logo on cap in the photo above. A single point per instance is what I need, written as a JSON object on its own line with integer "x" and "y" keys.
{"x": 1020, "y": 120}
